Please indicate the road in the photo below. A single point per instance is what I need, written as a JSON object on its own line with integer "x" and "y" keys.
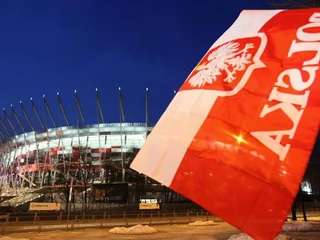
{"x": 221, "y": 231}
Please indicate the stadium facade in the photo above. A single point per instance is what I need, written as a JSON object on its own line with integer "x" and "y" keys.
{"x": 27, "y": 157}
{"x": 74, "y": 155}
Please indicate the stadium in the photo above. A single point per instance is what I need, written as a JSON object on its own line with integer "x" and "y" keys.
{"x": 79, "y": 163}
{"x": 53, "y": 162}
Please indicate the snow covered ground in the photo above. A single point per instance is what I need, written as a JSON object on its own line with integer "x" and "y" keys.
{"x": 137, "y": 229}
{"x": 287, "y": 227}
{"x": 301, "y": 227}
{"x": 202, "y": 223}
{"x": 243, "y": 236}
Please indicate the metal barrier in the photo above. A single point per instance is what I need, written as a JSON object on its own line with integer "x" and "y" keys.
{"x": 37, "y": 222}
{"x": 48, "y": 221}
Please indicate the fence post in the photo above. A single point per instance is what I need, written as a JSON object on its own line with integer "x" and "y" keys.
{"x": 150, "y": 221}
{"x": 304, "y": 212}
{"x": 124, "y": 214}
{"x": 39, "y": 227}
{"x": 7, "y": 218}
{"x": 35, "y": 217}
{"x": 104, "y": 215}
{"x": 83, "y": 216}
{"x": 188, "y": 215}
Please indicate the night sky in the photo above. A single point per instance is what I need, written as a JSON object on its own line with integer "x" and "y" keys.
{"x": 59, "y": 46}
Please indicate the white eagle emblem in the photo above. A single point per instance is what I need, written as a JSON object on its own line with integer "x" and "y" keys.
{"x": 227, "y": 58}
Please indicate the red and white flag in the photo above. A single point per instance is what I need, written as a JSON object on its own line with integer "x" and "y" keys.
{"x": 237, "y": 136}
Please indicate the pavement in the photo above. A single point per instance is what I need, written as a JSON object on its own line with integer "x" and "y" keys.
{"x": 167, "y": 228}
{"x": 221, "y": 231}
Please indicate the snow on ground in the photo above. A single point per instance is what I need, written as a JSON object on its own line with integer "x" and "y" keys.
{"x": 9, "y": 238}
{"x": 287, "y": 227}
{"x": 137, "y": 229}
{"x": 202, "y": 223}
{"x": 300, "y": 226}
{"x": 243, "y": 236}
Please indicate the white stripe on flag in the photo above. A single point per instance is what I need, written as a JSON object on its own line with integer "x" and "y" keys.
{"x": 247, "y": 24}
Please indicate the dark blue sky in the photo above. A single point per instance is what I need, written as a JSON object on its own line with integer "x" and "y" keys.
{"x": 50, "y": 46}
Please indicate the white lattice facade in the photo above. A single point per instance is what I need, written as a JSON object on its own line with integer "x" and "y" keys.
{"x": 27, "y": 159}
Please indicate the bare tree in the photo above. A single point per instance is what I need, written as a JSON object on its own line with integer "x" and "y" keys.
{"x": 63, "y": 181}
{"x": 283, "y": 4}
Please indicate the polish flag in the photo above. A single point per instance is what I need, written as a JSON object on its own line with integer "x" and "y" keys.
{"x": 237, "y": 136}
